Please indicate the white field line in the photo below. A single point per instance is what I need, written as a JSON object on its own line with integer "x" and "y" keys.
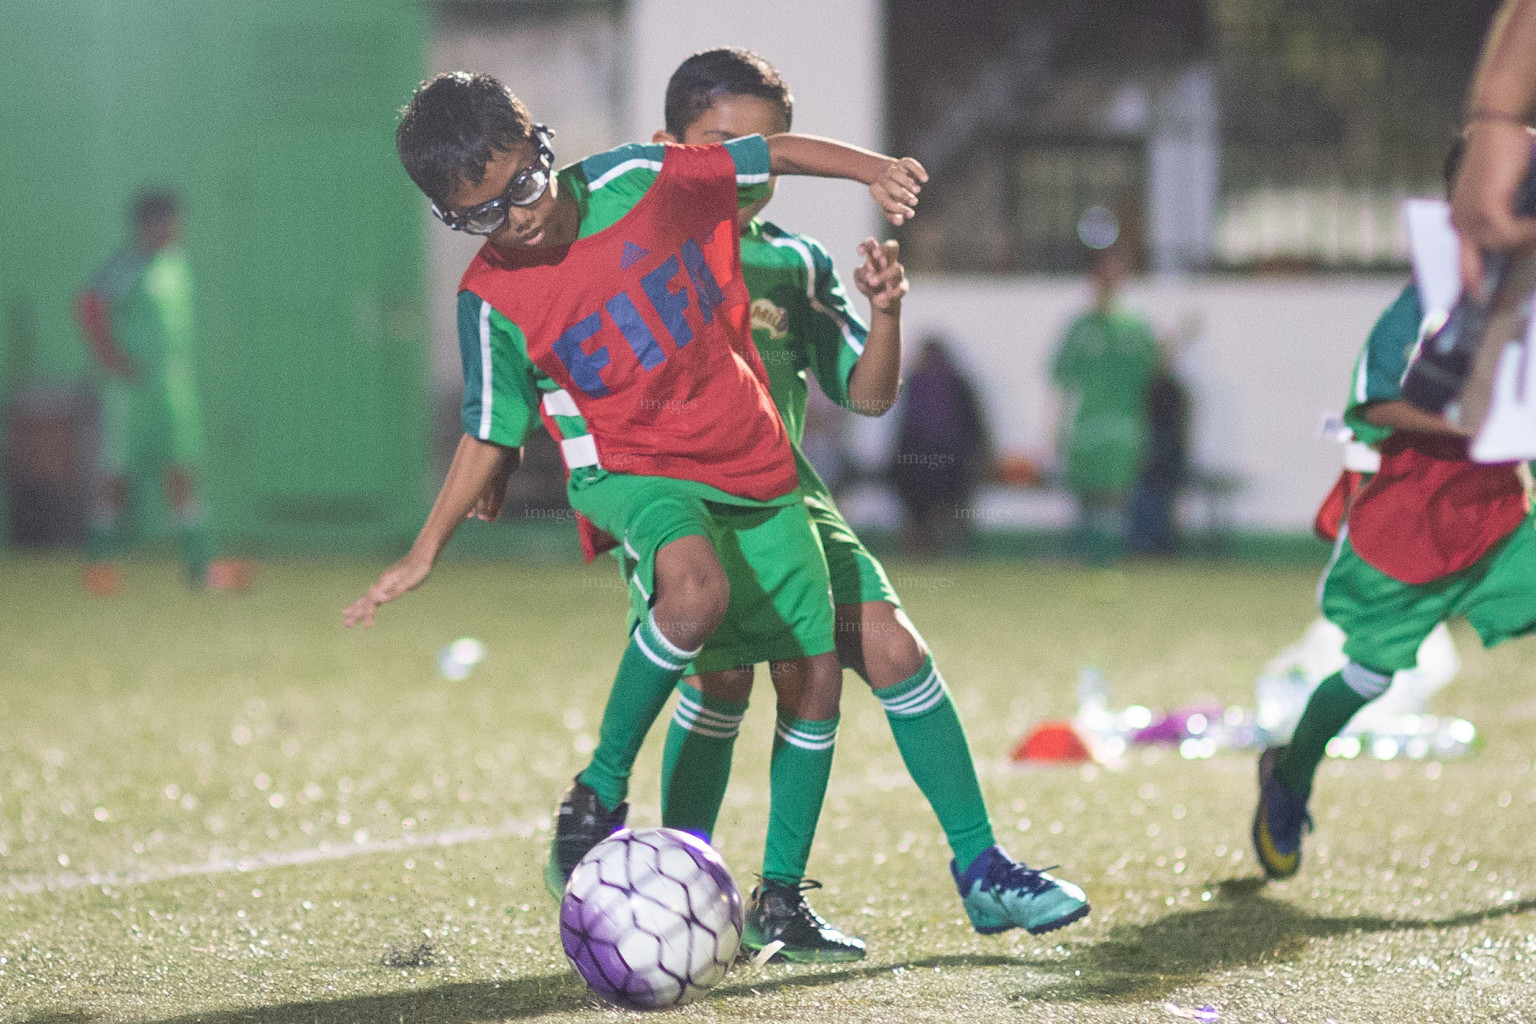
{"x": 275, "y": 859}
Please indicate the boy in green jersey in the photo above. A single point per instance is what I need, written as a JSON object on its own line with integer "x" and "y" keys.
{"x": 136, "y": 316}
{"x": 1431, "y": 535}
{"x": 1102, "y": 370}
{"x": 592, "y": 307}
{"x": 802, "y": 321}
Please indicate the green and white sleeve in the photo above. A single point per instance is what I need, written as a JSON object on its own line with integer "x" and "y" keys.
{"x": 753, "y": 168}
{"x": 836, "y": 332}
{"x": 501, "y": 399}
{"x": 609, "y": 184}
{"x": 1378, "y": 375}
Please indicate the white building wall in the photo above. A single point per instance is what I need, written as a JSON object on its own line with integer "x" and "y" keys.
{"x": 831, "y": 53}
{"x": 1268, "y": 359}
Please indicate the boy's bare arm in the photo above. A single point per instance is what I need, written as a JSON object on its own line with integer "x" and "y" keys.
{"x": 1499, "y": 107}
{"x": 876, "y": 377}
{"x": 893, "y": 183}
{"x": 477, "y": 466}
{"x": 1399, "y": 415}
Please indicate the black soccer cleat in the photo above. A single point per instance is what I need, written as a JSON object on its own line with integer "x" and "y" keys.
{"x": 1278, "y": 821}
{"x": 778, "y": 912}
{"x": 581, "y": 823}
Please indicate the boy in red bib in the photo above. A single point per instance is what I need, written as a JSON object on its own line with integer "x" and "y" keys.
{"x": 1428, "y": 536}
{"x": 608, "y": 301}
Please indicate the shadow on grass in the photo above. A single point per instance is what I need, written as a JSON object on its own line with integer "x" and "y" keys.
{"x": 449, "y": 1004}
{"x": 1241, "y": 927}
{"x": 507, "y": 1000}
{"x": 823, "y": 976}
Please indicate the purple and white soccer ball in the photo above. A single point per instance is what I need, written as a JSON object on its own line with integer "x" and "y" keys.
{"x": 651, "y": 918}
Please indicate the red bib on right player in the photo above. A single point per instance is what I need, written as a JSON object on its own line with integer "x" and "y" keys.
{"x": 1429, "y": 511}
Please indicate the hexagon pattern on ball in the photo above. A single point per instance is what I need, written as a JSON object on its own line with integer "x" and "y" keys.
{"x": 651, "y": 918}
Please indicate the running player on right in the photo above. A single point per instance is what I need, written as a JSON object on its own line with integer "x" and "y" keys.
{"x": 801, "y": 320}
{"x": 1432, "y": 535}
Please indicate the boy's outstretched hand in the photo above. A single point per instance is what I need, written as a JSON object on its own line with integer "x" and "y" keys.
{"x": 897, "y": 187}
{"x": 881, "y": 277}
{"x": 403, "y": 576}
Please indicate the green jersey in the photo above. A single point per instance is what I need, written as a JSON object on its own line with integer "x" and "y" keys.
{"x": 149, "y": 304}
{"x": 503, "y": 388}
{"x": 801, "y": 319}
{"x": 1107, "y": 361}
{"x": 1383, "y": 360}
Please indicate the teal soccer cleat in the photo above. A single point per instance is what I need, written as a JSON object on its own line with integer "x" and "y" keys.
{"x": 1000, "y": 893}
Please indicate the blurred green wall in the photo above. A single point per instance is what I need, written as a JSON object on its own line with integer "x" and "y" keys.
{"x": 275, "y": 120}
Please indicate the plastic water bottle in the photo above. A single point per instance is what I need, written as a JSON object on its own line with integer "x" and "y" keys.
{"x": 1092, "y": 700}
{"x": 1416, "y": 737}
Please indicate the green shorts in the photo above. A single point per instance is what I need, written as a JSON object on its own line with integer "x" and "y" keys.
{"x": 781, "y": 600}
{"x": 1385, "y": 620}
{"x": 780, "y": 605}
{"x": 857, "y": 576}
{"x": 145, "y": 428}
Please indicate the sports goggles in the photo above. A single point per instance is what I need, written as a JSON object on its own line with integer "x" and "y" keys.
{"x": 526, "y": 188}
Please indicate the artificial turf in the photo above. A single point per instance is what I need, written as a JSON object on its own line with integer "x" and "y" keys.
{"x": 220, "y": 808}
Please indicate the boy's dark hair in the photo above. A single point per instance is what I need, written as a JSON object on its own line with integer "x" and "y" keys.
{"x": 452, "y": 125}
{"x": 154, "y": 204}
{"x": 726, "y": 71}
{"x": 1453, "y": 157}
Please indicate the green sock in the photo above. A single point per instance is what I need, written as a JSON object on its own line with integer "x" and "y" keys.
{"x": 651, "y": 666}
{"x": 196, "y": 543}
{"x": 933, "y": 745}
{"x": 1329, "y": 710}
{"x": 797, "y": 782}
{"x": 696, "y": 764}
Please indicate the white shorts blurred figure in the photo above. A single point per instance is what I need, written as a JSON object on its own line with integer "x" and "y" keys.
{"x": 1291, "y": 676}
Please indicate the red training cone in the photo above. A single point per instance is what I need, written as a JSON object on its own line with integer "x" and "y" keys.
{"x": 1054, "y": 742}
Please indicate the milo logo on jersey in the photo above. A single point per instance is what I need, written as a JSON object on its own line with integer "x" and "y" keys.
{"x": 665, "y": 292}
{"x": 769, "y": 316}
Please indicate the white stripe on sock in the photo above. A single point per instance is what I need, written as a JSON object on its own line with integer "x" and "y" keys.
{"x": 696, "y": 710}
{"x": 806, "y": 740}
{"x": 927, "y": 696}
{"x": 695, "y": 718}
{"x": 704, "y": 729}
{"x": 645, "y": 649}
{"x": 1363, "y": 681}
{"x": 668, "y": 645}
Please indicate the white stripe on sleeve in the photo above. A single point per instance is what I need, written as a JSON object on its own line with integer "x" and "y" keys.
{"x": 800, "y": 247}
{"x": 487, "y": 391}
{"x": 579, "y": 451}
{"x": 560, "y": 403}
{"x": 624, "y": 168}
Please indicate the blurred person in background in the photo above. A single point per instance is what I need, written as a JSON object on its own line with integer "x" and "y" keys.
{"x": 1102, "y": 371}
{"x": 942, "y": 451}
{"x": 1153, "y": 527}
{"x": 136, "y": 316}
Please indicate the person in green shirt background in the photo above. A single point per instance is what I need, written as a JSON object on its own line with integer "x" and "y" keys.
{"x": 136, "y": 316}
{"x": 1103, "y": 369}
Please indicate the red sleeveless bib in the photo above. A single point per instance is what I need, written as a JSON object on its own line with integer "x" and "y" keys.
{"x": 644, "y": 327}
{"x": 1429, "y": 511}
